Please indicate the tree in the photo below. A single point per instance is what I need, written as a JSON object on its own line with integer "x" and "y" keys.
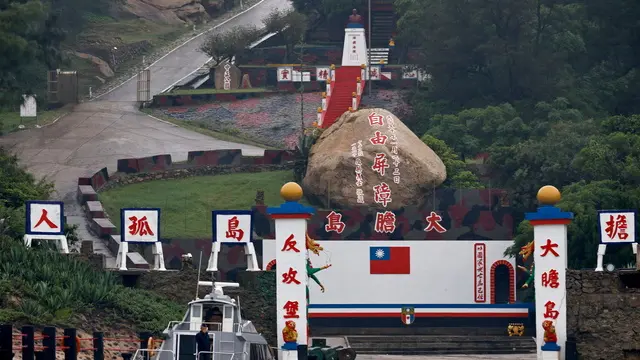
{"x": 223, "y": 46}
{"x": 290, "y": 25}
{"x": 458, "y": 174}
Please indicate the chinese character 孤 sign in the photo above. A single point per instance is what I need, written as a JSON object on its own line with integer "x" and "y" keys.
{"x": 140, "y": 225}
{"x": 45, "y": 218}
{"x": 480, "y": 266}
{"x": 617, "y": 226}
{"x": 232, "y": 226}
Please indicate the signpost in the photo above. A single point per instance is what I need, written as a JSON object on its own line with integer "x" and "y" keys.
{"x": 45, "y": 221}
{"x": 142, "y": 226}
{"x": 233, "y": 227}
{"x": 616, "y": 227}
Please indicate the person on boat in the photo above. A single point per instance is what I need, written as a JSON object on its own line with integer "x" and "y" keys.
{"x": 204, "y": 342}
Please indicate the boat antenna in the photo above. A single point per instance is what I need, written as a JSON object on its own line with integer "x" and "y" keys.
{"x": 198, "y": 283}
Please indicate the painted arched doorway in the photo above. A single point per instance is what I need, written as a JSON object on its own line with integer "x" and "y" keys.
{"x": 502, "y": 283}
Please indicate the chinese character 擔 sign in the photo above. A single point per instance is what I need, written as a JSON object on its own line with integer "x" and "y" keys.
{"x": 45, "y": 218}
{"x": 140, "y": 225}
{"x": 232, "y": 226}
{"x": 480, "y": 275}
{"x": 617, "y": 226}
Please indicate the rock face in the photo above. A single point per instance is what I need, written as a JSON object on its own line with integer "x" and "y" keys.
{"x": 397, "y": 169}
{"x": 167, "y": 11}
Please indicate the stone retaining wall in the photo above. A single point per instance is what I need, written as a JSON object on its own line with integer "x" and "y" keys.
{"x": 209, "y": 162}
{"x": 602, "y": 308}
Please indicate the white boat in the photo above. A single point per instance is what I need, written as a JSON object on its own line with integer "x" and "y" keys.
{"x": 232, "y": 337}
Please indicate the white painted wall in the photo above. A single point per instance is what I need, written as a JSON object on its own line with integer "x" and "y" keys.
{"x": 442, "y": 272}
{"x": 357, "y": 56}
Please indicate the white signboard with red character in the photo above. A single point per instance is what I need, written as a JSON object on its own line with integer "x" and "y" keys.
{"x": 616, "y": 227}
{"x": 285, "y": 74}
{"x": 232, "y": 227}
{"x": 141, "y": 226}
{"x": 322, "y": 73}
{"x": 45, "y": 221}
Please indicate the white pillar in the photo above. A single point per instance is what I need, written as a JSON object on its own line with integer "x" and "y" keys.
{"x": 550, "y": 261}
{"x": 291, "y": 269}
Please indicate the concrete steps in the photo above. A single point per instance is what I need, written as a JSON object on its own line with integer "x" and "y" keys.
{"x": 441, "y": 344}
{"x": 379, "y": 55}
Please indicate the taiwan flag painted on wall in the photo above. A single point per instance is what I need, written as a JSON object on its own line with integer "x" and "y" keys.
{"x": 389, "y": 260}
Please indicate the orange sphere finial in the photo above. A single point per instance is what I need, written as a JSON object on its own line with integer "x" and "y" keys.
{"x": 548, "y": 195}
{"x": 291, "y": 191}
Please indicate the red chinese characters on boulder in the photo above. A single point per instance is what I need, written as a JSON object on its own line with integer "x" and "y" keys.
{"x": 334, "y": 223}
{"x": 617, "y": 227}
{"x": 140, "y": 226}
{"x": 551, "y": 279}
{"x": 382, "y": 194}
{"x": 291, "y": 309}
{"x": 233, "y": 232}
{"x": 380, "y": 164}
{"x": 433, "y": 223}
{"x": 290, "y": 277}
{"x": 385, "y": 222}
{"x": 378, "y": 139}
{"x": 44, "y": 218}
{"x": 290, "y": 244}
{"x": 376, "y": 119}
{"x": 549, "y": 247}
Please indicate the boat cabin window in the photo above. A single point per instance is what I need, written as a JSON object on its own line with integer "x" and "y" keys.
{"x": 213, "y": 314}
{"x": 228, "y": 312}
{"x": 196, "y": 311}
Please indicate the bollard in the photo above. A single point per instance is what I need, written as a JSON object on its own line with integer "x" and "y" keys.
{"x": 303, "y": 352}
{"x": 126, "y": 356}
{"x": 6, "y": 342}
{"x": 71, "y": 349}
{"x": 49, "y": 343}
{"x": 28, "y": 343}
{"x": 144, "y": 341}
{"x": 98, "y": 345}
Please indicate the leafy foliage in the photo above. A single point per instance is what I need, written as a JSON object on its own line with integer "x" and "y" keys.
{"x": 290, "y": 25}
{"x": 223, "y": 46}
{"x": 458, "y": 174}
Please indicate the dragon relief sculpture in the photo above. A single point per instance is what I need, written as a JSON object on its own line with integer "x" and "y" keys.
{"x": 526, "y": 252}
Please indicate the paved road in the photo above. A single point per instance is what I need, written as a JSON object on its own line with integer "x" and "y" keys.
{"x": 98, "y": 133}
{"x": 182, "y": 62}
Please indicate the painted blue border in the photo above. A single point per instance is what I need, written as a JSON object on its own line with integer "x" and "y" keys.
{"x": 528, "y": 306}
{"x": 27, "y": 226}
{"x": 290, "y": 207}
{"x": 635, "y": 215}
{"x": 122, "y": 222}
{"x": 548, "y": 212}
{"x": 230, "y": 212}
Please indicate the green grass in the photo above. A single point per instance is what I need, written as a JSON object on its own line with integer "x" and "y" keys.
{"x": 205, "y": 91}
{"x": 231, "y": 134}
{"x": 186, "y": 204}
{"x": 10, "y": 120}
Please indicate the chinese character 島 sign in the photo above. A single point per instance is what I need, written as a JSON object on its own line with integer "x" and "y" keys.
{"x": 232, "y": 226}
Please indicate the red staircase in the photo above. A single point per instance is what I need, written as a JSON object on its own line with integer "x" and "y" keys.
{"x": 342, "y": 89}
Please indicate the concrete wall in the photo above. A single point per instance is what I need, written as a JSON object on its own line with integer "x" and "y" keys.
{"x": 442, "y": 272}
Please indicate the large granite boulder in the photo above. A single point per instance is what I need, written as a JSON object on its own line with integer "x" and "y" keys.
{"x": 396, "y": 168}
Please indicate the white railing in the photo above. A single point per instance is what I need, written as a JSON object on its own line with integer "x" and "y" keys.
{"x": 157, "y": 355}
{"x": 214, "y": 326}
{"x": 233, "y": 354}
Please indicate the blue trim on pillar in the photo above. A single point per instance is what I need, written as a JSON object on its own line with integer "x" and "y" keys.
{"x": 550, "y": 346}
{"x": 290, "y": 207}
{"x": 548, "y": 212}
